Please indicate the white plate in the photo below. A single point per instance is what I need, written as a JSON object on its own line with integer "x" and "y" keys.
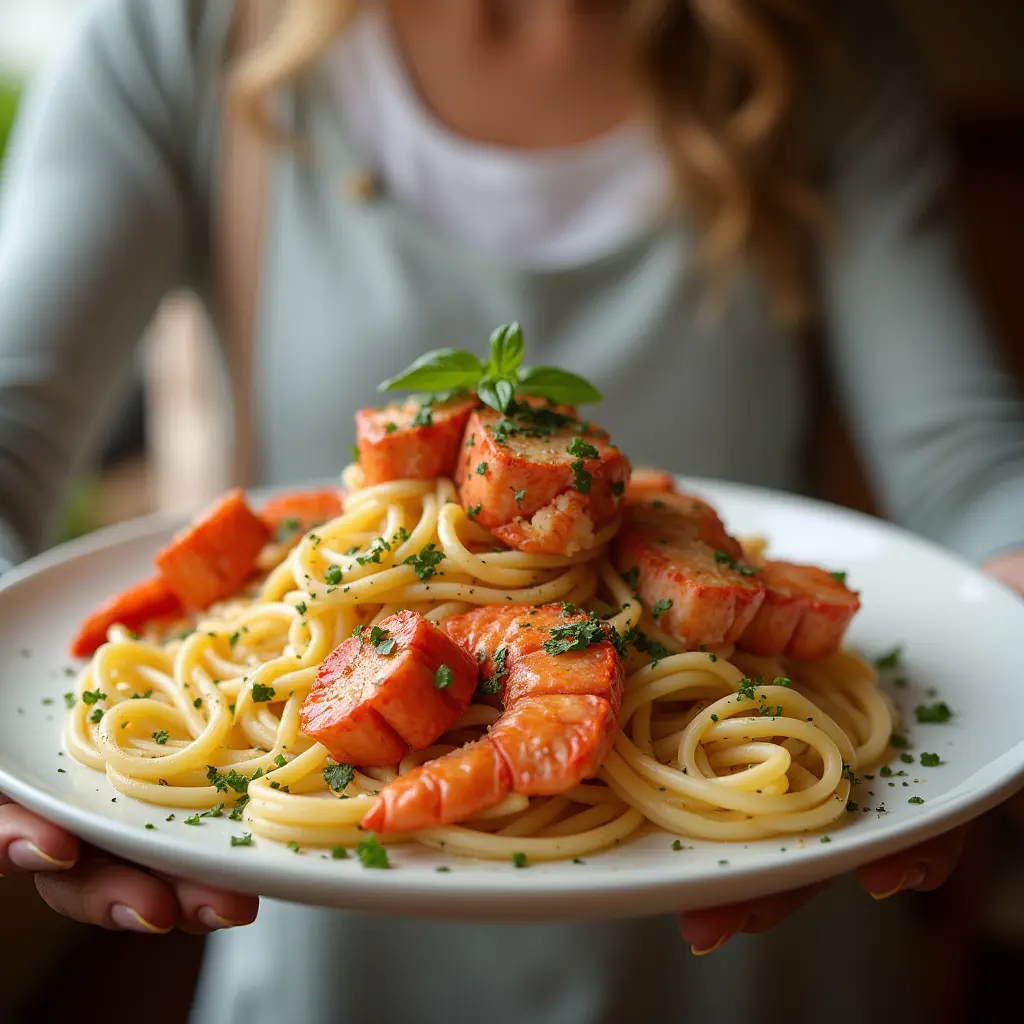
{"x": 960, "y": 632}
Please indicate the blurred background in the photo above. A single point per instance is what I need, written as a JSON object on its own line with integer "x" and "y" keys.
{"x": 974, "y": 926}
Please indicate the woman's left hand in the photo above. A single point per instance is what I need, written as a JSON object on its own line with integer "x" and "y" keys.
{"x": 921, "y": 868}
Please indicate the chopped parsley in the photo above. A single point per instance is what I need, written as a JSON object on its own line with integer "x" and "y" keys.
{"x": 519, "y": 495}
{"x": 192, "y": 819}
{"x": 767, "y": 712}
{"x": 70, "y": 700}
{"x": 198, "y": 702}
{"x": 353, "y": 450}
{"x": 378, "y": 547}
{"x": 236, "y": 811}
{"x": 288, "y": 528}
{"x": 714, "y": 717}
{"x": 825, "y": 839}
{"x": 390, "y": 427}
{"x": 617, "y": 488}
{"x": 746, "y": 688}
{"x": 96, "y": 716}
{"x": 492, "y": 686}
{"x": 916, "y": 800}
{"x": 339, "y": 853}
{"x": 443, "y": 677}
{"x": 662, "y": 606}
{"x": 214, "y": 812}
{"x": 332, "y": 576}
{"x": 262, "y": 694}
{"x": 245, "y": 839}
{"x": 92, "y": 696}
{"x": 424, "y": 416}
{"x": 472, "y": 511}
{"x": 632, "y": 577}
{"x": 519, "y": 859}
{"x": 294, "y": 847}
{"x": 907, "y": 758}
{"x": 142, "y": 696}
{"x": 582, "y": 449}
{"x": 645, "y": 645}
{"x": 782, "y": 681}
{"x": 232, "y": 780}
{"x": 839, "y": 577}
{"x": 426, "y": 562}
{"x": 161, "y": 736}
{"x": 891, "y": 659}
{"x": 898, "y": 742}
{"x": 382, "y": 641}
{"x": 721, "y": 558}
{"x": 677, "y": 845}
{"x": 849, "y": 775}
{"x": 933, "y": 713}
{"x": 371, "y": 854}
{"x": 582, "y": 478}
{"x": 930, "y": 760}
{"x": 576, "y": 636}
{"x": 885, "y": 771}
{"x": 481, "y": 468}
{"x": 338, "y": 776}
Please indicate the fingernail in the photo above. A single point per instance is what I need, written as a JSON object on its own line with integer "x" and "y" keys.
{"x": 209, "y": 918}
{"x": 29, "y": 857}
{"x": 126, "y": 918}
{"x": 722, "y": 940}
{"x": 910, "y": 880}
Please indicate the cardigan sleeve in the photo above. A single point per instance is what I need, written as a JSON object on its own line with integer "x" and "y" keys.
{"x": 98, "y": 221}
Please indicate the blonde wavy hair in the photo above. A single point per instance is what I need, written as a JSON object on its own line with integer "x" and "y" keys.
{"x": 722, "y": 82}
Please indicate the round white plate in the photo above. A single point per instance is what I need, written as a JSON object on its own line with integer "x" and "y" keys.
{"x": 959, "y": 632}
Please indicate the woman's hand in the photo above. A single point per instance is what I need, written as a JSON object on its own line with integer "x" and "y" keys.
{"x": 95, "y": 888}
{"x": 921, "y": 868}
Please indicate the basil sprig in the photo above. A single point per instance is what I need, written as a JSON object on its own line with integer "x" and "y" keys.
{"x": 498, "y": 380}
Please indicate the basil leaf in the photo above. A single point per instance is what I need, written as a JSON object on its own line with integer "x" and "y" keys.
{"x": 507, "y": 347}
{"x": 439, "y": 370}
{"x": 557, "y": 385}
{"x": 498, "y": 394}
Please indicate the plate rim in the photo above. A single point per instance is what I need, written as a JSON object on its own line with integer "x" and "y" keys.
{"x": 505, "y": 895}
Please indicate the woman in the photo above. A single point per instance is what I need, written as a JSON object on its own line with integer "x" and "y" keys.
{"x": 526, "y": 155}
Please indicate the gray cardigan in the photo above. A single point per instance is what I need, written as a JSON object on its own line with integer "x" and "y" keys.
{"x": 109, "y": 203}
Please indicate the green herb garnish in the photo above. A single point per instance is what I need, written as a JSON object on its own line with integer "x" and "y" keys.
{"x": 498, "y": 380}
{"x": 426, "y": 562}
{"x": 933, "y": 713}
{"x": 372, "y": 854}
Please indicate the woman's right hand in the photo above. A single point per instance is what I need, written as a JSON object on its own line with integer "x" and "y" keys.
{"x": 88, "y": 885}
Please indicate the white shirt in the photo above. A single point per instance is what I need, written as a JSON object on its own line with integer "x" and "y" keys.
{"x": 547, "y": 208}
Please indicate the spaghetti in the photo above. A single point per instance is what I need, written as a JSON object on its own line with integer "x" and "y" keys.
{"x": 717, "y": 745}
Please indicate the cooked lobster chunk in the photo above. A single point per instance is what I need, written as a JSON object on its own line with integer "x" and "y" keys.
{"x": 211, "y": 559}
{"x": 393, "y": 688}
{"x": 135, "y": 608}
{"x": 687, "y": 568}
{"x": 805, "y": 613}
{"x": 541, "y": 481}
{"x": 560, "y": 682}
{"x": 411, "y": 440}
